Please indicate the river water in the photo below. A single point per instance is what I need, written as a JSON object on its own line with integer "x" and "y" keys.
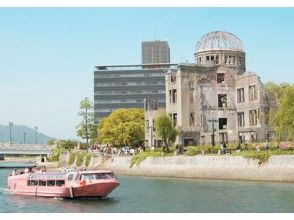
{"x": 143, "y": 194}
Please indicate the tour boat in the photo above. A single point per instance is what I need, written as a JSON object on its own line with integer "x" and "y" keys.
{"x": 65, "y": 184}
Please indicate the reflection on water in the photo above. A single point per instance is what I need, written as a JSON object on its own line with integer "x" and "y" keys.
{"x": 34, "y": 204}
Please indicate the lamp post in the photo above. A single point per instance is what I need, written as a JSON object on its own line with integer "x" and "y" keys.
{"x": 10, "y": 126}
{"x": 24, "y": 137}
{"x": 87, "y": 137}
{"x": 36, "y": 128}
{"x": 213, "y": 130}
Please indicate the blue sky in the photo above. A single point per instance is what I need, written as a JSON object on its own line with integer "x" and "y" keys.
{"x": 47, "y": 55}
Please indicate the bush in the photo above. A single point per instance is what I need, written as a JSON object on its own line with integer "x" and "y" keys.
{"x": 194, "y": 150}
{"x": 80, "y": 158}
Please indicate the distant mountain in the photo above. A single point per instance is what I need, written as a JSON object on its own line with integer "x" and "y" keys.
{"x": 18, "y": 137}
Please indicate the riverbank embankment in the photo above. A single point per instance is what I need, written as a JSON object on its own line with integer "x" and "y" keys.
{"x": 278, "y": 168}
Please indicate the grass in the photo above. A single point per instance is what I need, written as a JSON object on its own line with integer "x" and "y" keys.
{"x": 56, "y": 153}
{"x": 138, "y": 158}
{"x": 88, "y": 158}
{"x": 72, "y": 158}
{"x": 263, "y": 155}
{"x": 80, "y": 158}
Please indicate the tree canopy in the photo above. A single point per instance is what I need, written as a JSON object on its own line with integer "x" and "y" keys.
{"x": 280, "y": 114}
{"x": 123, "y": 127}
{"x": 165, "y": 130}
{"x": 87, "y": 122}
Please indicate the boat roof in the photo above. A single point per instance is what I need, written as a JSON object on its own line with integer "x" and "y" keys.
{"x": 47, "y": 175}
{"x": 61, "y": 174}
{"x": 95, "y": 171}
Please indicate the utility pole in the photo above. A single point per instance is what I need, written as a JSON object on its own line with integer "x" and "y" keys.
{"x": 24, "y": 137}
{"x": 10, "y": 126}
{"x": 213, "y": 130}
{"x": 36, "y": 128}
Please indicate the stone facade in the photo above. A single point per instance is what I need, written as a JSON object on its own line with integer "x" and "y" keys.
{"x": 216, "y": 99}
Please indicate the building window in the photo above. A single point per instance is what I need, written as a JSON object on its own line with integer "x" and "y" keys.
{"x": 173, "y": 78}
{"x": 252, "y": 93}
{"x": 191, "y": 97}
{"x": 174, "y": 96}
{"x": 240, "y": 95}
{"x": 192, "y": 119}
{"x": 175, "y": 115}
{"x": 222, "y": 100}
{"x": 220, "y": 78}
{"x": 241, "y": 121}
{"x": 252, "y": 117}
{"x": 216, "y": 59}
{"x": 222, "y": 122}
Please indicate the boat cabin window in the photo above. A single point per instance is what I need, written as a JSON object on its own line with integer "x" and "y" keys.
{"x": 42, "y": 182}
{"x": 32, "y": 182}
{"x": 104, "y": 176}
{"x": 70, "y": 177}
{"x": 59, "y": 182}
{"x": 50, "y": 182}
{"x": 87, "y": 177}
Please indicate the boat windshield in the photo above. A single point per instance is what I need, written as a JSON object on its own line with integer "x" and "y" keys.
{"x": 104, "y": 176}
{"x": 87, "y": 177}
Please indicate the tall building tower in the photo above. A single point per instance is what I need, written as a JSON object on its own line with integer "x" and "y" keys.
{"x": 155, "y": 52}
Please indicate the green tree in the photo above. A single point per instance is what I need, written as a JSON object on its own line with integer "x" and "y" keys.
{"x": 165, "y": 130}
{"x": 86, "y": 129}
{"x": 51, "y": 142}
{"x": 122, "y": 127}
{"x": 279, "y": 109}
{"x": 284, "y": 118}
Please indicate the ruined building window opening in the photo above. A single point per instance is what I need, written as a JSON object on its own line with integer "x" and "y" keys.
{"x": 252, "y": 117}
{"x": 222, "y": 122}
{"x": 230, "y": 60}
{"x": 191, "y": 97}
{"x": 170, "y": 96}
{"x": 241, "y": 120}
{"x": 173, "y": 78}
{"x": 207, "y": 58}
{"x": 174, "y": 96}
{"x": 212, "y": 57}
{"x": 240, "y": 95}
{"x": 216, "y": 59}
{"x": 220, "y": 78}
{"x": 223, "y": 137}
{"x": 233, "y": 60}
{"x": 226, "y": 59}
{"x": 222, "y": 100}
{"x": 175, "y": 116}
{"x": 192, "y": 119}
{"x": 200, "y": 60}
{"x": 252, "y": 93}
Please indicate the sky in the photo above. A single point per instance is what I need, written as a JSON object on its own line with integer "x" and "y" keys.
{"x": 48, "y": 55}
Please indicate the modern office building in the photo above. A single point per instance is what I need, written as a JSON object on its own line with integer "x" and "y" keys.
{"x": 155, "y": 52}
{"x": 126, "y": 86}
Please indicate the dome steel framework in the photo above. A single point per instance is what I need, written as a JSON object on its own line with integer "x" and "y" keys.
{"x": 219, "y": 40}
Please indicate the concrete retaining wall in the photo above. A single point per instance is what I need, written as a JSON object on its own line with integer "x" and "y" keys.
{"x": 278, "y": 168}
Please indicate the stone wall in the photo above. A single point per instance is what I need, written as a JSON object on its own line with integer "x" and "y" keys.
{"x": 278, "y": 168}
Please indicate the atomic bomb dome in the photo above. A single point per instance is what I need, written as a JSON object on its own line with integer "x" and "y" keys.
{"x": 219, "y": 40}
{"x": 220, "y": 47}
